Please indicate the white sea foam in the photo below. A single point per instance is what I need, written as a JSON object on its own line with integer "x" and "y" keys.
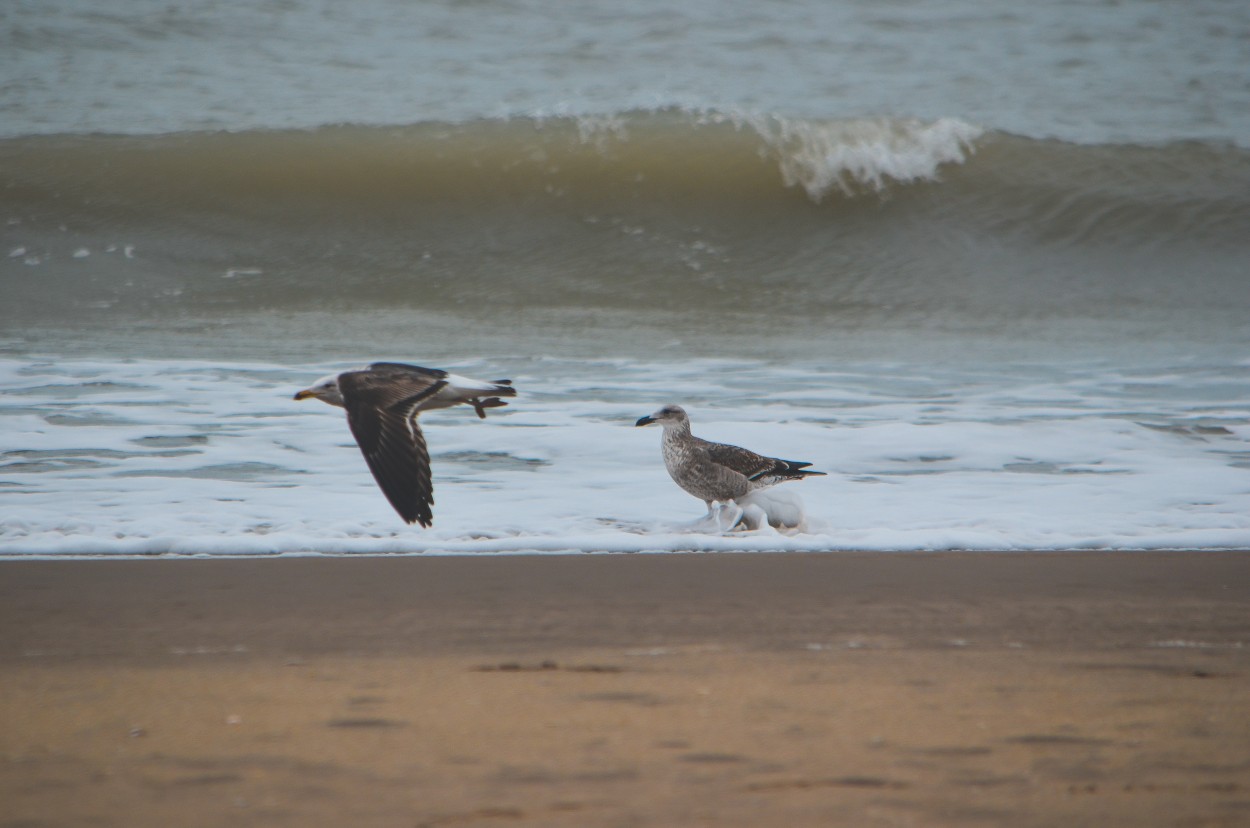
{"x": 157, "y": 457}
{"x": 845, "y": 156}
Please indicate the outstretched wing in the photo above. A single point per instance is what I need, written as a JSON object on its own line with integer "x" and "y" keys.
{"x": 381, "y": 405}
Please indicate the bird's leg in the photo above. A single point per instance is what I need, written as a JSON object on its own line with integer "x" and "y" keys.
{"x": 732, "y": 509}
{"x": 714, "y": 512}
{"x": 480, "y": 404}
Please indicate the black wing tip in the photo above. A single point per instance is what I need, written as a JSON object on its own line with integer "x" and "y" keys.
{"x": 799, "y": 469}
{"x": 419, "y": 512}
{"x": 788, "y": 470}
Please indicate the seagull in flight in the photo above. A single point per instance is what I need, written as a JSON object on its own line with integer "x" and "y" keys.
{"x": 382, "y": 402}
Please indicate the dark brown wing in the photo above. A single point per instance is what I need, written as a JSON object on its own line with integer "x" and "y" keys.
{"x": 756, "y": 466}
{"x": 381, "y": 407}
{"x": 745, "y": 462}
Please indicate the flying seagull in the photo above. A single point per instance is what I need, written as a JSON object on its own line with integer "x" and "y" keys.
{"x": 382, "y": 402}
{"x": 717, "y": 472}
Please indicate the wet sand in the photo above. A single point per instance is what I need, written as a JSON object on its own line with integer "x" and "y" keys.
{"x": 1100, "y": 689}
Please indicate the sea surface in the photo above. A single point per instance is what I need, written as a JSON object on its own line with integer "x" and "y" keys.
{"x": 986, "y": 265}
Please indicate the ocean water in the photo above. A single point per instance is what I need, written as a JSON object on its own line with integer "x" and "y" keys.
{"x": 988, "y": 266}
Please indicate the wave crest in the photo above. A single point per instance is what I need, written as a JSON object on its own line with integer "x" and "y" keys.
{"x": 847, "y": 156}
{"x": 716, "y": 210}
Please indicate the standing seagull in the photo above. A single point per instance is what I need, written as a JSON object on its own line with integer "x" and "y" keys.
{"x": 717, "y": 472}
{"x": 382, "y": 402}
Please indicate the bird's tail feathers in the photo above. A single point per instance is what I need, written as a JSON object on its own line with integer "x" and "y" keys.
{"x": 785, "y": 470}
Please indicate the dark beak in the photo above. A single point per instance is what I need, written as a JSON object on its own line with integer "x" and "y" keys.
{"x": 642, "y": 421}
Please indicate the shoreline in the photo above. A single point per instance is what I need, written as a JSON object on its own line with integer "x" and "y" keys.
{"x": 52, "y": 557}
{"x": 805, "y": 689}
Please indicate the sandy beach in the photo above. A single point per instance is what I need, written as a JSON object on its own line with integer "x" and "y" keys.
{"x": 1100, "y": 689}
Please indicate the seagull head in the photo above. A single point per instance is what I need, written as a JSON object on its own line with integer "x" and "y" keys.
{"x": 325, "y": 389}
{"x": 668, "y": 416}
